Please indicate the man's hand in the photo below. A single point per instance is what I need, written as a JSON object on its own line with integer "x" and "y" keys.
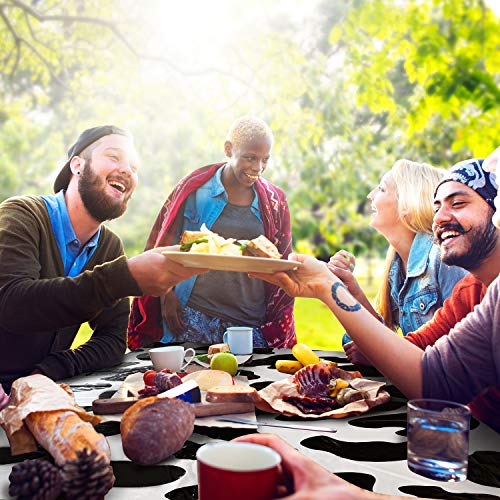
{"x": 171, "y": 312}
{"x": 312, "y": 279}
{"x": 156, "y": 274}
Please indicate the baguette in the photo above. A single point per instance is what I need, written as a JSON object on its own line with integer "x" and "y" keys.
{"x": 62, "y": 433}
{"x": 232, "y": 394}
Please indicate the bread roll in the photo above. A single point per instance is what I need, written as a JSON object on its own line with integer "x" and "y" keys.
{"x": 155, "y": 428}
{"x": 62, "y": 433}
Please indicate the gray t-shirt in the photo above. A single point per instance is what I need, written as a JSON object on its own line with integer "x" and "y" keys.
{"x": 463, "y": 364}
{"x": 228, "y": 295}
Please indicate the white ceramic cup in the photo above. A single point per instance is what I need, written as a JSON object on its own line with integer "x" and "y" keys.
{"x": 171, "y": 357}
{"x": 240, "y": 339}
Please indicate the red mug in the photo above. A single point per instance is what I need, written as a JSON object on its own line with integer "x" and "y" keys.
{"x": 242, "y": 471}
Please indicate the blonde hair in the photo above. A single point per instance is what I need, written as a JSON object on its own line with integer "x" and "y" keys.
{"x": 415, "y": 184}
{"x": 247, "y": 128}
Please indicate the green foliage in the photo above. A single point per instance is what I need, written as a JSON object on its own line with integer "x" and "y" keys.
{"x": 347, "y": 90}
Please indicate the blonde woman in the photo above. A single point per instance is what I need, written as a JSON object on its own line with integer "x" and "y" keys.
{"x": 415, "y": 282}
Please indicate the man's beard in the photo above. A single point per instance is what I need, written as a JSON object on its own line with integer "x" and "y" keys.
{"x": 482, "y": 243}
{"x": 99, "y": 206}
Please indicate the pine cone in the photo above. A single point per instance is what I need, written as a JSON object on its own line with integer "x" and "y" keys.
{"x": 87, "y": 477}
{"x": 35, "y": 479}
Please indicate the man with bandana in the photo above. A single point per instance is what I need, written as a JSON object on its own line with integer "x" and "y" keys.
{"x": 60, "y": 267}
{"x": 464, "y": 231}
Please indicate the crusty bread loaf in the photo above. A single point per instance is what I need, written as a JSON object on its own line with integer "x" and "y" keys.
{"x": 261, "y": 247}
{"x": 155, "y": 428}
{"x": 62, "y": 433}
{"x": 232, "y": 394}
{"x": 215, "y": 348}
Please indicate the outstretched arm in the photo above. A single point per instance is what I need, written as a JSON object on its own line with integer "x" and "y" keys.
{"x": 399, "y": 360}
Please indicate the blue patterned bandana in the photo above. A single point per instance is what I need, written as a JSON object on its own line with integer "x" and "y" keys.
{"x": 471, "y": 173}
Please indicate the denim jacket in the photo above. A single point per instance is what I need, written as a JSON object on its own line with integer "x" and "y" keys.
{"x": 427, "y": 283}
{"x": 204, "y": 206}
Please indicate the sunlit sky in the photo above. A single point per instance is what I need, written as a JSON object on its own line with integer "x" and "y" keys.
{"x": 195, "y": 32}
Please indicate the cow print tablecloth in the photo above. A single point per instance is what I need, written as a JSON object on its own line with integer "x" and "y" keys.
{"x": 368, "y": 450}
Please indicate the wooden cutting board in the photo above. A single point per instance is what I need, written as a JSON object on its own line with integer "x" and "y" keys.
{"x": 115, "y": 406}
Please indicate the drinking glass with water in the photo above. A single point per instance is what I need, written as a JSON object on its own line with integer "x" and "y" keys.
{"x": 438, "y": 439}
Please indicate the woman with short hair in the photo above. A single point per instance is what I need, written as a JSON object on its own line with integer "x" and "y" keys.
{"x": 235, "y": 201}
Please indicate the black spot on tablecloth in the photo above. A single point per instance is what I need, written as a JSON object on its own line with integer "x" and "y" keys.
{"x": 121, "y": 375}
{"x": 393, "y": 404}
{"x": 365, "y": 481}
{"x": 379, "y": 421}
{"x": 269, "y": 360}
{"x": 362, "y": 451}
{"x": 395, "y": 392}
{"x": 188, "y": 451}
{"x": 366, "y": 371}
{"x": 89, "y": 387}
{"x": 130, "y": 475}
{"x": 106, "y": 394}
{"x": 224, "y": 433}
{"x": 484, "y": 468}
{"x": 7, "y": 458}
{"x": 336, "y": 359}
{"x": 108, "y": 428}
{"x": 144, "y": 356}
{"x": 122, "y": 365}
{"x": 260, "y": 385}
{"x": 185, "y": 493}
{"x": 250, "y": 375}
{"x": 437, "y": 492}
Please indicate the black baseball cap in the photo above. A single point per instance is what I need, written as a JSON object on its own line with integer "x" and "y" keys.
{"x": 86, "y": 138}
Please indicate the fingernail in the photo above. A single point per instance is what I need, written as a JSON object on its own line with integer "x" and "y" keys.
{"x": 351, "y": 266}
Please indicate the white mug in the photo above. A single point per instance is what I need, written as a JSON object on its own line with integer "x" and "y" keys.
{"x": 171, "y": 357}
{"x": 240, "y": 339}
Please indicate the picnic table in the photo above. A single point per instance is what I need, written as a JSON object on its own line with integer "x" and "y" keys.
{"x": 368, "y": 450}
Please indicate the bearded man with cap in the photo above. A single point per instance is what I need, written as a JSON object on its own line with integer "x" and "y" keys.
{"x": 61, "y": 267}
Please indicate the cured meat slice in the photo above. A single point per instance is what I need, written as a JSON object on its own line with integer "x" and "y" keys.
{"x": 313, "y": 380}
{"x": 317, "y": 405}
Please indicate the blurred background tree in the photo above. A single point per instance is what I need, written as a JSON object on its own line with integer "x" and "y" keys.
{"x": 348, "y": 87}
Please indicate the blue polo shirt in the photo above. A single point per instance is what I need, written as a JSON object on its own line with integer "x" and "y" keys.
{"x": 73, "y": 254}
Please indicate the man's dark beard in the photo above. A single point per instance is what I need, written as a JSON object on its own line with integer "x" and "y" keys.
{"x": 91, "y": 190}
{"x": 483, "y": 241}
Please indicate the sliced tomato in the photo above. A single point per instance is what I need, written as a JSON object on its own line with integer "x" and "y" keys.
{"x": 149, "y": 377}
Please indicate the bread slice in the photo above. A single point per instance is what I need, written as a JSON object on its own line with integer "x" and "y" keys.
{"x": 232, "y": 394}
{"x": 191, "y": 236}
{"x": 215, "y": 348}
{"x": 261, "y": 247}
